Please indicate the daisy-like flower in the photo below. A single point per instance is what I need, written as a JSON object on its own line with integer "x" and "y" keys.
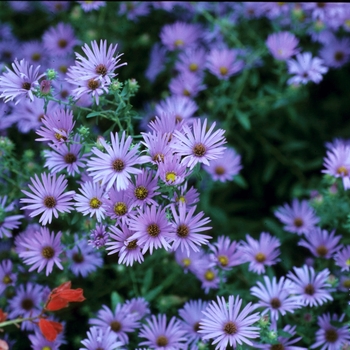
{"x": 152, "y": 229}
{"x": 120, "y": 321}
{"x": 119, "y": 242}
{"x": 60, "y": 40}
{"x": 187, "y": 197}
{"x": 261, "y": 253}
{"x": 91, "y": 200}
{"x": 275, "y": 298}
{"x": 207, "y": 273}
{"x": 191, "y": 314}
{"x": 312, "y": 288}
{"x": 165, "y": 123}
{"x": 337, "y": 163}
{"x": 186, "y": 84}
{"x": 158, "y": 147}
{"x": 163, "y": 336}
{"x": 199, "y": 145}
{"x": 42, "y": 251}
{"x": 186, "y": 229}
{"x": 225, "y": 253}
{"x": 90, "y": 5}
{"x": 342, "y": 258}
{"x": 282, "y": 45}
{"x": 321, "y": 243}
{"x": 34, "y": 53}
{"x": 98, "y": 236}
{"x": 48, "y": 197}
{"x": 336, "y": 53}
{"x": 66, "y": 157}
{"x": 172, "y": 172}
{"x": 115, "y": 166}
{"x": 227, "y": 325}
{"x": 191, "y": 60}
{"x": 299, "y": 218}
{"x": 100, "y": 338}
{"x": 99, "y": 65}
{"x": 137, "y": 307}
{"x": 306, "y": 68}
{"x": 57, "y": 128}
{"x": 225, "y": 168}
{"x": 39, "y": 342}
{"x": 179, "y": 35}
{"x": 19, "y": 83}
{"x": 8, "y": 222}
{"x": 7, "y": 276}
{"x": 194, "y": 262}
{"x": 84, "y": 259}
{"x": 329, "y": 336}
{"x": 223, "y": 63}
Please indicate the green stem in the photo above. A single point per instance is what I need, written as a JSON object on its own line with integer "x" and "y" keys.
{"x": 17, "y": 320}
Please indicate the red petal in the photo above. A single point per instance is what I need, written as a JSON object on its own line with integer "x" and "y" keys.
{"x": 63, "y": 286}
{"x": 72, "y": 295}
{"x": 50, "y": 329}
{"x": 56, "y": 303}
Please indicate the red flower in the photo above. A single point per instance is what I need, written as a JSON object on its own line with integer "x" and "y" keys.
{"x": 62, "y": 295}
{"x": 3, "y": 316}
{"x": 50, "y": 329}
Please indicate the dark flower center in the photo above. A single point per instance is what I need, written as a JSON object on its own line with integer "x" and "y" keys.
{"x": 162, "y": 340}
{"x": 153, "y": 230}
{"x": 48, "y": 252}
{"x": 199, "y": 150}
{"x": 339, "y": 56}
{"x": 101, "y": 69}
{"x": 64, "y": 94}
{"x": 305, "y": 74}
{"x": 277, "y": 347}
{"x": 115, "y": 326}
{"x": 230, "y": 328}
{"x": 36, "y": 56}
{"x": 342, "y": 170}
{"x": 49, "y": 202}
{"x": 223, "y": 260}
{"x": 159, "y": 157}
{"x": 260, "y": 257}
{"x": 120, "y": 208}
{"x": 93, "y": 84}
{"x": 95, "y": 203}
{"x": 132, "y": 245}
{"x": 196, "y": 327}
{"x": 178, "y": 43}
{"x": 193, "y": 67}
{"x": 346, "y": 284}
{"x": 321, "y": 4}
{"x": 209, "y": 275}
{"x": 298, "y": 222}
{"x": 62, "y": 43}
{"x": 118, "y": 165}
{"x": 322, "y": 250}
{"x": 141, "y": 192}
{"x": 183, "y": 231}
{"x": 27, "y": 304}
{"x": 63, "y": 69}
{"x": 78, "y": 258}
{"x": 275, "y": 303}
{"x": 41, "y": 117}
{"x": 26, "y": 86}
{"x": 223, "y": 70}
{"x": 220, "y": 170}
{"x": 331, "y": 335}
{"x": 309, "y": 289}
{"x": 186, "y": 93}
{"x": 59, "y": 136}
{"x": 70, "y": 158}
{"x": 7, "y": 279}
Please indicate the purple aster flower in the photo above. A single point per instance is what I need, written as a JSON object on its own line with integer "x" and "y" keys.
{"x": 207, "y": 274}
{"x": 9, "y": 48}
{"x": 19, "y": 83}
{"x": 225, "y": 253}
{"x": 134, "y": 9}
{"x": 42, "y": 251}
{"x": 58, "y": 125}
{"x": 26, "y": 303}
{"x": 225, "y": 168}
{"x": 166, "y": 123}
{"x": 66, "y": 157}
{"x": 321, "y": 243}
{"x": 299, "y": 218}
{"x": 157, "y": 146}
{"x": 7, "y": 276}
{"x": 48, "y": 197}
{"x": 8, "y": 222}
{"x": 282, "y": 45}
{"x": 329, "y": 336}
{"x": 120, "y": 321}
{"x": 227, "y": 325}
{"x": 179, "y": 35}
{"x": 306, "y": 68}
{"x": 342, "y": 258}
{"x": 115, "y": 166}
{"x": 128, "y": 249}
{"x": 156, "y": 62}
{"x": 172, "y": 172}
{"x": 186, "y": 229}
{"x": 119, "y": 205}
{"x": 337, "y": 163}
{"x": 101, "y": 338}
{"x": 336, "y": 52}
{"x": 84, "y": 259}
{"x": 163, "y": 336}
{"x": 144, "y": 188}
{"x": 275, "y": 298}
{"x": 99, "y": 65}
{"x": 223, "y": 63}
{"x": 191, "y": 314}
{"x": 90, "y": 5}
{"x": 137, "y": 307}
{"x": 186, "y": 84}
{"x": 182, "y": 107}
{"x": 344, "y": 283}
{"x": 39, "y": 342}
{"x": 185, "y": 196}
{"x": 34, "y": 53}
{"x": 260, "y": 253}
{"x": 60, "y": 40}
{"x": 194, "y": 262}
{"x": 152, "y": 229}
{"x": 98, "y": 236}
{"x": 91, "y": 200}
{"x": 191, "y": 60}
{"x": 312, "y": 288}
{"x": 284, "y": 342}
{"x": 55, "y": 6}
{"x": 199, "y": 145}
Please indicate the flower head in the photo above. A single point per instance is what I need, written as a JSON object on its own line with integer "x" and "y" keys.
{"x": 7, "y": 276}
{"x": 336, "y": 52}
{"x": 98, "y": 236}
{"x": 101, "y": 338}
{"x": 282, "y": 45}
{"x": 8, "y": 222}
{"x": 342, "y": 258}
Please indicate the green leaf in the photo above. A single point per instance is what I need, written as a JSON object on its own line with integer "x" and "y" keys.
{"x": 243, "y": 119}
{"x": 93, "y": 114}
{"x": 115, "y": 300}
